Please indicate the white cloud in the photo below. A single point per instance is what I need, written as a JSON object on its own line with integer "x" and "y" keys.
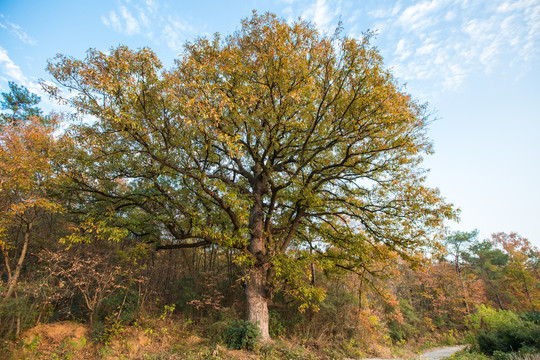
{"x": 132, "y": 25}
{"x": 323, "y": 14}
{"x": 445, "y": 41}
{"x": 420, "y": 16}
{"x": 403, "y": 50}
{"x": 450, "y": 15}
{"x": 16, "y": 31}
{"x": 124, "y": 23}
{"x": 385, "y": 12}
{"x": 144, "y": 19}
{"x": 10, "y": 69}
{"x": 427, "y": 48}
{"x": 516, "y": 5}
{"x": 454, "y": 77}
{"x": 148, "y": 19}
{"x": 173, "y": 32}
{"x": 112, "y": 21}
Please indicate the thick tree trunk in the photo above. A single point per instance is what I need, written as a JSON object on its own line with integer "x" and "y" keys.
{"x": 257, "y": 275}
{"x": 257, "y": 299}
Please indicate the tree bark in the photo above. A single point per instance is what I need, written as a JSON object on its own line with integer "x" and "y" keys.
{"x": 257, "y": 274}
{"x": 257, "y": 299}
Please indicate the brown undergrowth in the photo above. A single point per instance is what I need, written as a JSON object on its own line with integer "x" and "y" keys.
{"x": 168, "y": 339}
{"x": 146, "y": 339}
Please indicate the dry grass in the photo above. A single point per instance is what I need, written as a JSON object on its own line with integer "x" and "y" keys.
{"x": 163, "y": 339}
{"x": 172, "y": 339}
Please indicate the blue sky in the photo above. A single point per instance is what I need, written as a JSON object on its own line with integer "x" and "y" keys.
{"x": 475, "y": 62}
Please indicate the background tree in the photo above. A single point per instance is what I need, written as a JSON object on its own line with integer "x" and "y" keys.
{"x": 272, "y": 141}
{"x": 26, "y": 147}
{"x": 488, "y": 263}
{"x": 520, "y": 278}
{"x": 21, "y": 103}
{"x": 457, "y": 244}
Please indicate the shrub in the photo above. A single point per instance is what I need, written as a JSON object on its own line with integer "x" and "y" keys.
{"x": 499, "y": 355}
{"x": 466, "y": 354}
{"x": 277, "y": 323}
{"x": 408, "y": 328}
{"x": 21, "y": 312}
{"x": 532, "y": 316}
{"x": 242, "y": 335}
{"x": 510, "y": 339}
{"x": 502, "y": 332}
{"x": 124, "y": 305}
{"x": 488, "y": 319}
{"x": 113, "y": 314}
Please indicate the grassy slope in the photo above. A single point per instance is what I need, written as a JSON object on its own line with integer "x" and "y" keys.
{"x": 157, "y": 339}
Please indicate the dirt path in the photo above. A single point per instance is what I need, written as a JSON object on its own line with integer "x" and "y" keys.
{"x": 434, "y": 354}
{"x": 441, "y": 353}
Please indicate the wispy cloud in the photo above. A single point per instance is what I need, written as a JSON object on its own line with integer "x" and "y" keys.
{"x": 322, "y": 14}
{"x": 326, "y": 14}
{"x": 9, "y": 69}
{"x": 174, "y": 32}
{"x": 442, "y": 42}
{"x": 420, "y": 16}
{"x": 445, "y": 41}
{"x": 150, "y": 19}
{"x": 122, "y": 21}
{"x": 16, "y": 31}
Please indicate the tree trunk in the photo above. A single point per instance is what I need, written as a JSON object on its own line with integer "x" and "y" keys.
{"x": 465, "y": 292}
{"x": 360, "y": 293}
{"x": 526, "y": 288}
{"x": 13, "y": 281}
{"x": 257, "y": 275}
{"x": 257, "y": 299}
{"x": 499, "y": 301}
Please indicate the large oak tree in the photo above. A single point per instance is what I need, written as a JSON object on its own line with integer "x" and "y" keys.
{"x": 273, "y": 141}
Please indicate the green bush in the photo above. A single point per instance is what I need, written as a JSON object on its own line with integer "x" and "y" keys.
{"x": 113, "y": 313}
{"x": 409, "y": 327}
{"x": 532, "y": 316}
{"x": 124, "y": 304}
{"x": 522, "y": 355}
{"x": 241, "y": 335}
{"x": 277, "y": 323}
{"x": 17, "y": 313}
{"x": 503, "y": 332}
{"x": 466, "y": 354}
{"x": 487, "y": 319}
{"x": 97, "y": 330}
{"x": 512, "y": 338}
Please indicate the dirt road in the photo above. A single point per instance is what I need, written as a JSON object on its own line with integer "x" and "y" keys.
{"x": 434, "y": 354}
{"x": 440, "y": 353}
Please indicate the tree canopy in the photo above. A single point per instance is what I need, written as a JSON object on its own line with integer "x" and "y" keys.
{"x": 277, "y": 141}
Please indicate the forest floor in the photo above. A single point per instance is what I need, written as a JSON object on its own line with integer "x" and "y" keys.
{"x": 158, "y": 339}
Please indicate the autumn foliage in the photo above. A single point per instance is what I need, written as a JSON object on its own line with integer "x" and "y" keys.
{"x": 273, "y": 175}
